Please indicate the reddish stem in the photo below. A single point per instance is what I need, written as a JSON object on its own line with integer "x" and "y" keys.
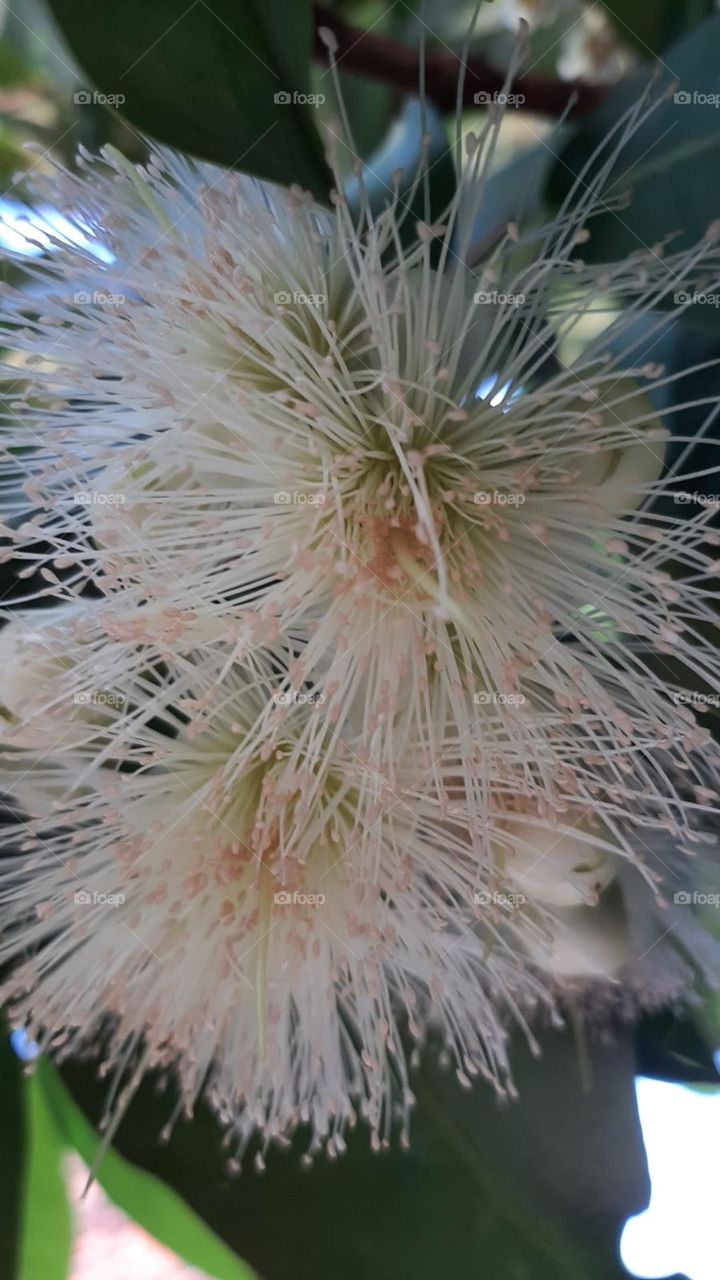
{"x": 380, "y": 58}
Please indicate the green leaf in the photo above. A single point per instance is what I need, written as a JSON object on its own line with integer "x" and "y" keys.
{"x": 12, "y": 1152}
{"x": 669, "y": 165}
{"x": 46, "y": 1219}
{"x": 13, "y": 71}
{"x": 534, "y": 1190}
{"x": 32, "y": 35}
{"x": 227, "y": 81}
{"x": 145, "y": 1199}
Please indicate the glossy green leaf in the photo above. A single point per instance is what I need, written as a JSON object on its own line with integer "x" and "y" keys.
{"x": 12, "y": 1154}
{"x": 228, "y": 82}
{"x": 144, "y": 1198}
{"x": 13, "y": 70}
{"x": 46, "y": 1226}
{"x": 33, "y": 37}
{"x": 534, "y": 1190}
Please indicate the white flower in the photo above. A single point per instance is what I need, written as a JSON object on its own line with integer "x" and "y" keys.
{"x": 239, "y": 903}
{"x": 384, "y": 612}
{"x": 197, "y": 888}
{"x": 247, "y": 466}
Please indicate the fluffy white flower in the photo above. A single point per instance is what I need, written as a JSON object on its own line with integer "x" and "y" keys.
{"x": 195, "y": 897}
{"x": 184, "y": 883}
{"x": 261, "y": 422}
{"x": 384, "y": 608}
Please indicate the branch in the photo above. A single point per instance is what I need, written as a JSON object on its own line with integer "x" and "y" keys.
{"x": 394, "y": 64}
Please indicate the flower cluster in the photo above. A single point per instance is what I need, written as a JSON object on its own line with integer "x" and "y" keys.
{"x": 360, "y": 716}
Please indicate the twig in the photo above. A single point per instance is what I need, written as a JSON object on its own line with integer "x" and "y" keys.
{"x": 380, "y": 58}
